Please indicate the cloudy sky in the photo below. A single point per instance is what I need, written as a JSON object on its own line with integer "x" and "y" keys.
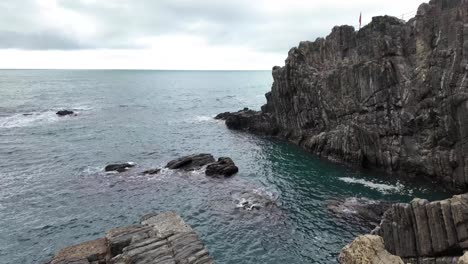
{"x": 171, "y": 34}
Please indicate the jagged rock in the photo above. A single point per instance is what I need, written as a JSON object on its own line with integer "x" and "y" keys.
{"x": 65, "y": 113}
{"x": 425, "y": 229}
{"x": 191, "y": 162}
{"x": 119, "y": 167}
{"x": 224, "y": 167}
{"x": 160, "y": 238}
{"x": 392, "y": 95}
{"x": 360, "y": 211}
{"x": 152, "y": 171}
{"x": 367, "y": 249}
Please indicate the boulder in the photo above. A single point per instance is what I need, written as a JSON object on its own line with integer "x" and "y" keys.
{"x": 191, "y": 162}
{"x": 119, "y": 167}
{"x": 361, "y": 211}
{"x": 94, "y": 251}
{"x": 65, "y": 112}
{"x": 223, "y": 167}
{"x": 367, "y": 249}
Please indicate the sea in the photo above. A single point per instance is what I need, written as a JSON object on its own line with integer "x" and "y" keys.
{"x": 54, "y": 191}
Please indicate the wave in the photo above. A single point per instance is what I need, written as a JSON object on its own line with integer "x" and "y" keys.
{"x": 384, "y": 188}
{"x": 28, "y": 119}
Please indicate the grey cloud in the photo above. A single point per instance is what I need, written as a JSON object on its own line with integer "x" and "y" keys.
{"x": 233, "y": 23}
{"x": 37, "y": 41}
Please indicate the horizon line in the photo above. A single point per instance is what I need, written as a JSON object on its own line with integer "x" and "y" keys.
{"x": 110, "y": 69}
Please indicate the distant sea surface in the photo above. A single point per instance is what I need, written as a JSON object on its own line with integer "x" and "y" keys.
{"x": 54, "y": 192}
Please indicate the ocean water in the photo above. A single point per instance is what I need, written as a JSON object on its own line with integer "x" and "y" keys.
{"x": 54, "y": 193}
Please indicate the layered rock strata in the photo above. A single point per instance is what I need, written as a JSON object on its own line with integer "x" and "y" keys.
{"x": 392, "y": 95}
{"x": 160, "y": 238}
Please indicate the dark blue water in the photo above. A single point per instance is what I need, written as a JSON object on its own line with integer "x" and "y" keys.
{"x": 53, "y": 192}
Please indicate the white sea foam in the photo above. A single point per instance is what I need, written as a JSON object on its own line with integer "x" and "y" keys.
{"x": 384, "y": 188}
{"x": 203, "y": 119}
{"x": 27, "y": 119}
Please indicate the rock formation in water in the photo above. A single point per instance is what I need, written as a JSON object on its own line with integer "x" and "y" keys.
{"x": 359, "y": 211}
{"x": 424, "y": 232}
{"x": 161, "y": 238}
{"x": 65, "y": 113}
{"x": 119, "y": 167}
{"x": 223, "y": 167}
{"x": 392, "y": 95}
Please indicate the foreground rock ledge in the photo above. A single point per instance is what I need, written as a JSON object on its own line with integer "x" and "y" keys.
{"x": 160, "y": 238}
{"x": 418, "y": 232}
{"x": 392, "y": 95}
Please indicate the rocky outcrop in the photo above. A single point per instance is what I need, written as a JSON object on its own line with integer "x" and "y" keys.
{"x": 65, "y": 113}
{"x": 191, "y": 162}
{"x": 361, "y": 211}
{"x": 426, "y": 229}
{"x": 423, "y": 232}
{"x": 368, "y": 249}
{"x": 223, "y": 167}
{"x": 119, "y": 167}
{"x": 392, "y": 95}
{"x": 159, "y": 238}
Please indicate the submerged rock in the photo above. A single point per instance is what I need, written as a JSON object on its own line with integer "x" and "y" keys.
{"x": 191, "y": 162}
{"x": 392, "y": 95}
{"x": 223, "y": 167}
{"x": 65, "y": 112}
{"x": 159, "y": 238}
{"x": 152, "y": 171}
{"x": 254, "y": 200}
{"x": 367, "y": 249}
{"x": 362, "y": 211}
{"x": 119, "y": 167}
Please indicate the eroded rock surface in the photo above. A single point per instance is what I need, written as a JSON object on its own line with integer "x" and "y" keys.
{"x": 392, "y": 95}
{"x": 160, "y": 238}
{"x": 367, "y": 249}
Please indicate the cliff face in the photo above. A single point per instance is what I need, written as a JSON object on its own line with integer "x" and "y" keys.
{"x": 392, "y": 95}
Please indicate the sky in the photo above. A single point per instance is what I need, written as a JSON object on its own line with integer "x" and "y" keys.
{"x": 172, "y": 34}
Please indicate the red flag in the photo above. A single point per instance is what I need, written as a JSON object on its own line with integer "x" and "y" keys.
{"x": 360, "y": 19}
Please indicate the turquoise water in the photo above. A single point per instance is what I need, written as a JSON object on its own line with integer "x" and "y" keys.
{"x": 54, "y": 192}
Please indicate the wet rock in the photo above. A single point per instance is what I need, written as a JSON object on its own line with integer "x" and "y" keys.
{"x": 191, "y": 162}
{"x": 152, "y": 171}
{"x": 367, "y": 249}
{"x": 119, "y": 167}
{"x": 362, "y": 211}
{"x": 392, "y": 95}
{"x": 160, "y": 238}
{"x": 65, "y": 113}
{"x": 223, "y": 167}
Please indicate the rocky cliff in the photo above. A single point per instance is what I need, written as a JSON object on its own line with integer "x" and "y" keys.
{"x": 392, "y": 95}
